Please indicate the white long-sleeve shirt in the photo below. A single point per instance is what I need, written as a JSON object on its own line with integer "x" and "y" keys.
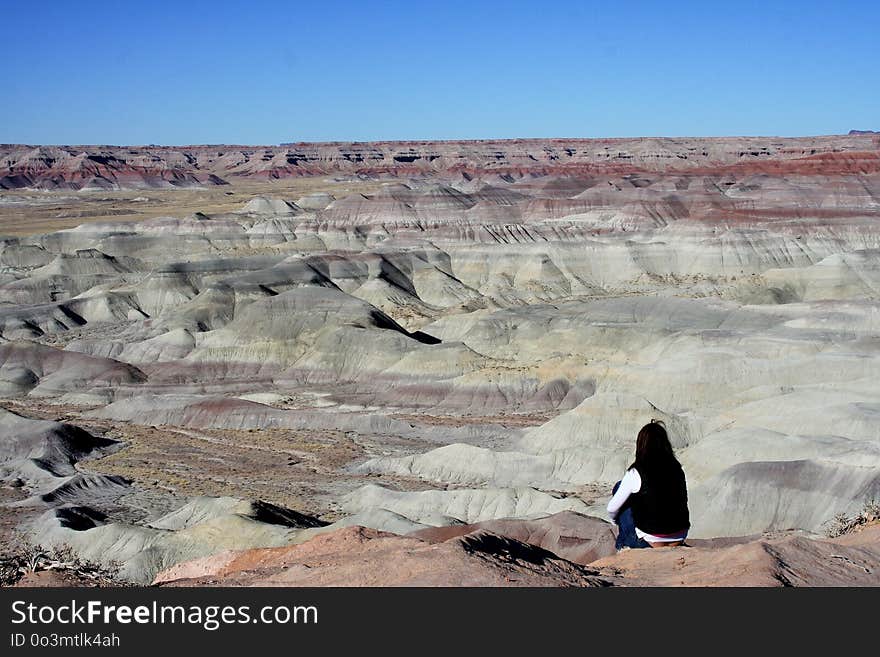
{"x": 632, "y": 483}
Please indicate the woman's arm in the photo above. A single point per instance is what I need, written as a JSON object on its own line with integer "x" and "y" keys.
{"x": 631, "y": 483}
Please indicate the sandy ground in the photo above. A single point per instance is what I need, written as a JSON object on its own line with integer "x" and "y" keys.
{"x": 29, "y": 212}
{"x": 302, "y": 470}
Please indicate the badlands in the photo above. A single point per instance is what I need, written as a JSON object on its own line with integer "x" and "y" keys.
{"x": 295, "y": 364}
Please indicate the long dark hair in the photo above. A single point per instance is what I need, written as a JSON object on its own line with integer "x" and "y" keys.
{"x": 653, "y": 449}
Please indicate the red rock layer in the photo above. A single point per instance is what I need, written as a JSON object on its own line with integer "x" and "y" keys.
{"x": 76, "y": 167}
{"x": 478, "y": 556}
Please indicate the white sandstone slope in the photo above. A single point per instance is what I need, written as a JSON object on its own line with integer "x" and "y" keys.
{"x": 480, "y": 329}
{"x": 443, "y": 507}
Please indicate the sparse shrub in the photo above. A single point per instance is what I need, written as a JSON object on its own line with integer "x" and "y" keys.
{"x": 843, "y": 524}
{"x": 25, "y": 557}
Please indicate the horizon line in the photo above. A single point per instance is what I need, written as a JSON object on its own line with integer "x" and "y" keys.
{"x": 435, "y": 141}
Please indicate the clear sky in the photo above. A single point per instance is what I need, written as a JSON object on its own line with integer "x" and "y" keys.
{"x": 270, "y": 71}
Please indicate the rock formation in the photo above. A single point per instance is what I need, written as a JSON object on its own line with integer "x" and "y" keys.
{"x": 480, "y": 557}
{"x": 471, "y": 332}
{"x": 106, "y": 167}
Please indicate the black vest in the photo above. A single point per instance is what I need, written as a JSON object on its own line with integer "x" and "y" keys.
{"x": 660, "y": 506}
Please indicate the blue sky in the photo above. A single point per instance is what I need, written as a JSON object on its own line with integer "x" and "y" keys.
{"x": 264, "y": 72}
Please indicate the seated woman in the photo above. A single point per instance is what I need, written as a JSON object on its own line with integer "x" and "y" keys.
{"x": 649, "y": 504}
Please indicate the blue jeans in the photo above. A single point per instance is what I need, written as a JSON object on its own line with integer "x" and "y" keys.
{"x": 626, "y": 527}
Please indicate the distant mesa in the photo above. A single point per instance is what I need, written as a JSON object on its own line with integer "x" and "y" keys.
{"x": 135, "y": 167}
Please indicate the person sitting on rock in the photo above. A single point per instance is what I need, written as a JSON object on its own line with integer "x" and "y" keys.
{"x": 649, "y": 504}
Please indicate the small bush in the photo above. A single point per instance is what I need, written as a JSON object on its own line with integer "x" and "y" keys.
{"x": 843, "y": 524}
{"x": 25, "y": 557}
